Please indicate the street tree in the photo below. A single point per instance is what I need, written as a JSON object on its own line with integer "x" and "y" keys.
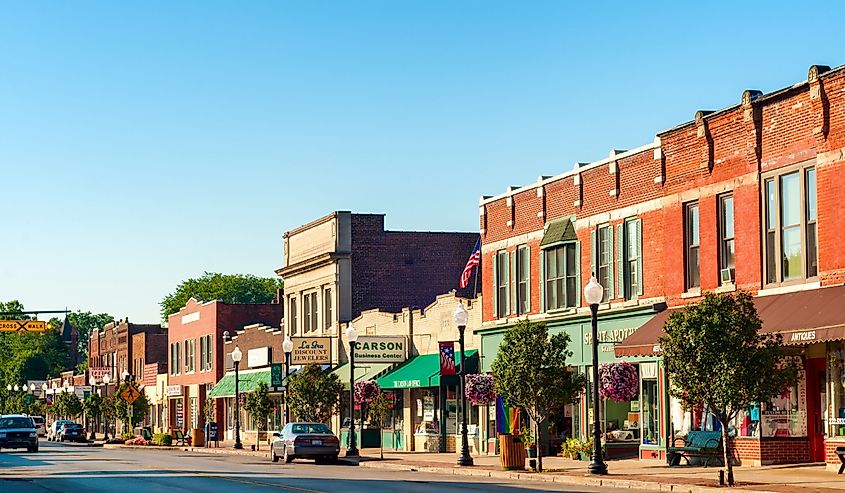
{"x": 379, "y": 411}
{"x": 228, "y": 288}
{"x": 140, "y": 408}
{"x": 260, "y": 407}
{"x": 93, "y": 405}
{"x": 717, "y": 357}
{"x": 28, "y": 356}
{"x": 314, "y": 394}
{"x": 66, "y": 405}
{"x": 530, "y": 371}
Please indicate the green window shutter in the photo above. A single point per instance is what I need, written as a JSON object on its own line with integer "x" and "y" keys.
{"x": 639, "y": 226}
{"x": 594, "y": 246}
{"x": 578, "y": 281}
{"x": 620, "y": 256}
{"x": 507, "y": 278}
{"x": 542, "y": 281}
{"x": 527, "y": 268}
{"x": 610, "y": 273}
{"x": 495, "y": 284}
{"x": 514, "y": 282}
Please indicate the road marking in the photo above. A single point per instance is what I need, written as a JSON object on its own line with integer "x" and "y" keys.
{"x": 272, "y": 485}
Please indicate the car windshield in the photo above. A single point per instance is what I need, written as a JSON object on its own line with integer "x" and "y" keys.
{"x": 310, "y": 428}
{"x": 16, "y": 422}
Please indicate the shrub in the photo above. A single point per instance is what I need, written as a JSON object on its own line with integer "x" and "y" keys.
{"x": 163, "y": 439}
{"x": 127, "y": 436}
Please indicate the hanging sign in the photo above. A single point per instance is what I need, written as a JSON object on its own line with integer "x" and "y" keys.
{"x": 311, "y": 351}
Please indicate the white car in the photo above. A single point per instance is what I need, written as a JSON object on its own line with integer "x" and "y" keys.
{"x": 53, "y": 430}
{"x": 40, "y": 427}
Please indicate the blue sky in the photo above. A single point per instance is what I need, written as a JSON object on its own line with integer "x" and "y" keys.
{"x": 142, "y": 143}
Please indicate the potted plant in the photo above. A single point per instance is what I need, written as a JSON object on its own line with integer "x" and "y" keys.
{"x": 585, "y": 451}
{"x": 528, "y": 441}
{"x": 571, "y": 447}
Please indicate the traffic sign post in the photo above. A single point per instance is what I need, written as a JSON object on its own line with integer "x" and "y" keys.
{"x": 130, "y": 395}
{"x": 23, "y": 326}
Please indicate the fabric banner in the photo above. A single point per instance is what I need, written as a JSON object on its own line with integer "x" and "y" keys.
{"x": 507, "y": 418}
{"x": 447, "y": 358}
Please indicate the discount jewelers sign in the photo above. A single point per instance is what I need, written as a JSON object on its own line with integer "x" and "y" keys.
{"x": 311, "y": 351}
{"x": 381, "y": 349}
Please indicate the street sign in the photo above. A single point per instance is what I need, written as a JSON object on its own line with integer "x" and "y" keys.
{"x": 130, "y": 394}
{"x": 22, "y": 326}
{"x": 276, "y": 378}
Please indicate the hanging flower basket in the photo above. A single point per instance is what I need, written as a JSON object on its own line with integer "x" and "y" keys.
{"x": 479, "y": 389}
{"x": 366, "y": 392}
{"x": 618, "y": 381}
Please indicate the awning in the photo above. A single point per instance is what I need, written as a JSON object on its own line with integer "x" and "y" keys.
{"x": 802, "y": 317}
{"x": 363, "y": 372}
{"x": 422, "y": 371}
{"x": 558, "y": 231}
{"x": 247, "y": 382}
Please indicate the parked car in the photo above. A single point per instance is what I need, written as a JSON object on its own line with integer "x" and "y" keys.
{"x": 18, "y": 431}
{"x": 305, "y": 440}
{"x": 53, "y": 429}
{"x": 40, "y": 427}
{"x": 71, "y": 432}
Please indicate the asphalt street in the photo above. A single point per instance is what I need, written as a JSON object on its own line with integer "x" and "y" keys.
{"x": 63, "y": 468}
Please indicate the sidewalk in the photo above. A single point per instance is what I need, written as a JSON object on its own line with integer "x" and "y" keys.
{"x": 624, "y": 473}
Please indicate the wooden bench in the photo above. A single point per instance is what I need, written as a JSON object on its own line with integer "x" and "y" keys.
{"x": 707, "y": 444}
{"x": 178, "y": 437}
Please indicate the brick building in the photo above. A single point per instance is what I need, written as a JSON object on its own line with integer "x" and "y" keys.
{"x": 740, "y": 198}
{"x": 124, "y": 346}
{"x": 342, "y": 264}
{"x": 196, "y": 356}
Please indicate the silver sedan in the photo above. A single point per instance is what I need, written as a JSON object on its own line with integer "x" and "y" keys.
{"x": 305, "y": 440}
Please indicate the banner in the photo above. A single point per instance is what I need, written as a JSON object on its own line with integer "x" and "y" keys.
{"x": 447, "y": 358}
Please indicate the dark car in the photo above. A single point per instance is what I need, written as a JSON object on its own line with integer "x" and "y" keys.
{"x": 18, "y": 431}
{"x": 305, "y": 440}
{"x": 71, "y": 432}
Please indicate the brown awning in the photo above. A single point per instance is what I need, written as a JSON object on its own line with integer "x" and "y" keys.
{"x": 802, "y": 317}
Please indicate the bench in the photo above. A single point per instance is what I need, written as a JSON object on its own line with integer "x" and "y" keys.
{"x": 840, "y": 452}
{"x": 707, "y": 444}
{"x": 178, "y": 437}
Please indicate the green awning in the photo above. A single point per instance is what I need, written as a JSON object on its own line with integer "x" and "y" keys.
{"x": 246, "y": 383}
{"x": 363, "y": 372}
{"x": 558, "y": 231}
{"x": 421, "y": 371}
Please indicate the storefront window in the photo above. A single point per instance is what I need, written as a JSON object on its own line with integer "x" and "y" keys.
{"x": 833, "y": 400}
{"x": 786, "y": 415}
{"x": 650, "y": 414}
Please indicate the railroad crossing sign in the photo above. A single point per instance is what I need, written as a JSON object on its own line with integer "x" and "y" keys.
{"x": 130, "y": 395}
{"x": 22, "y": 326}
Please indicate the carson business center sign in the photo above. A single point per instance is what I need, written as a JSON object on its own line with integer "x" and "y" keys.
{"x": 381, "y": 349}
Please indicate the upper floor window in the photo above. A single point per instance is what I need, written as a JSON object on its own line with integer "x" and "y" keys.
{"x": 309, "y": 313}
{"x": 604, "y": 272}
{"x": 292, "y": 315}
{"x": 791, "y": 250}
{"x": 630, "y": 257}
{"x": 726, "y": 239}
{"x": 561, "y": 276}
{"x": 190, "y": 355}
{"x": 501, "y": 284}
{"x": 523, "y": 279}
{"x": 691, "y": 243}
{"x": 327, "y": 308}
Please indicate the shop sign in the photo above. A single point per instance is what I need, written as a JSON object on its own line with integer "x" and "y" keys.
{"x": 258, "y": 357}
{"x": 382, "y": 349}
{"x": 615, "y": 335}
{"x": 96, "y": 374}
{"x": 428, "y": 408}
{"x": 807, "y": 335}
{"x": 276, "y": 378}
{"x": 173, "y": 391}
{"x": 311, "y": 351}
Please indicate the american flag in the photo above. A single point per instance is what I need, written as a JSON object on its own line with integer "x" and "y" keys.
{"x": 473, "y": 261}
{"x": 447, "y": 358}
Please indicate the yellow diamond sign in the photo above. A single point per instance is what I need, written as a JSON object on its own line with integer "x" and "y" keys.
{"x": 130, "y": 394}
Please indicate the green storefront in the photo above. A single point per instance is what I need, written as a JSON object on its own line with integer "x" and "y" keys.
{"x": 636, "y": 427}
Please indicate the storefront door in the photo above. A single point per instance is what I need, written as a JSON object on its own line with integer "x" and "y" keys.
{"x": 816, "y": 403}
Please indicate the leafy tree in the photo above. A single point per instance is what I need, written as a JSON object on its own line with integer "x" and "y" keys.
{"x": 314, "y": 394}
{"x": 208, "y": 410}
{"x": 140, "y": 408}
{"x": 36, "y": 408}
{"x": 85, "y": 323}
{"x": 66, "y": 405}
{"x": 93, "y": 405}
{"x": 108, "y": 410}
{"x": 379, "y": 413}
{"x": 260, "y": 407}
{"x": 530, "y": 372}
{"x": 229, "y": 288}
{"x": 717, "y": 357}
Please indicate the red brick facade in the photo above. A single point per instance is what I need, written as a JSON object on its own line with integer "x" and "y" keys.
{"x": 122, "y": 345}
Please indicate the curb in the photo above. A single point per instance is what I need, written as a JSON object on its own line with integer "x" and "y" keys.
{"x": 607, "y": 482}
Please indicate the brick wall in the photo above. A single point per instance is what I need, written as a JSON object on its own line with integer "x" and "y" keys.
{"x": 768, "y": 451}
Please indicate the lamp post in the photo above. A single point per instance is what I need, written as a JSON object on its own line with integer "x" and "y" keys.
{"x": 593, "y": 293}
{"x": 236, "y": 359}
{"x": 461, "y": 318}
{"x": 106, "y": 380}
{"x": 125, "y": 377}
{"x": 352, "y": 337}
{"x": 287, "y": 347}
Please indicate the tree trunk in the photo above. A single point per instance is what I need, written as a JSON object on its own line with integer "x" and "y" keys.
{"x": 726, "y": 453}
{"x": 537, "y": 441}
{"x": 381, "y": 443}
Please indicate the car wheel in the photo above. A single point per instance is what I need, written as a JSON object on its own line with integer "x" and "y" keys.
{"x": 32, "y": 449}
{"x": 333, "y": 458}
{"x": 288, "y": 457}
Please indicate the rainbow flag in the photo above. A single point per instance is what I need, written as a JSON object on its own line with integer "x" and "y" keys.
{"x": 507, "y": 418}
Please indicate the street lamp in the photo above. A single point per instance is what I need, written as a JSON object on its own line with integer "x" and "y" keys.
{"x": 287, "y": 347}
{"x": 106, "y": 381}
{"x": 9, "y": 387}
{"x": 461, "y": 319}
{"x": 236, "y": 359}
{"x": 594, "y": 293}
{"x": 352, "y": 337}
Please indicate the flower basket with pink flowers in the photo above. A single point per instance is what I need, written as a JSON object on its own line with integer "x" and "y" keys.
{"x": 619, "y": 381}
{"x": 479, "y": 389}
{"x": 366, "y": 392}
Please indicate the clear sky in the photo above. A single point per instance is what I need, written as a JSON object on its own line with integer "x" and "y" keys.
{"x": 142, "y": 143}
